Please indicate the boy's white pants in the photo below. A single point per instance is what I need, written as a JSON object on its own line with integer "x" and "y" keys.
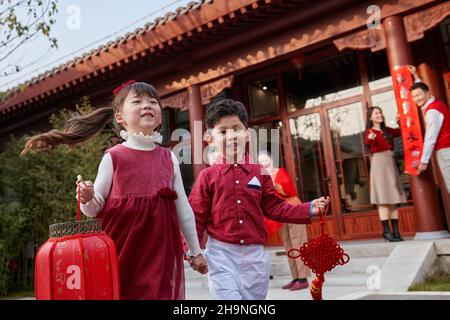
{"x": 237, "y": 272}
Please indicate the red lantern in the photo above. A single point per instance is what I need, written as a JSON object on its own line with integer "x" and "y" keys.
{"x": 79, "y": 261}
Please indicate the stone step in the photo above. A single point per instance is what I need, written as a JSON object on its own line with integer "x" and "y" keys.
{"x": 280, "y": 268}
{"x": 331, "y": 280}
{"x": 359, "y": 265}
{"x": 354, "y": 250}
{"x": 442, "y": 247}
{"x": 329, "y": 293}
{"x": 355, "y": 265}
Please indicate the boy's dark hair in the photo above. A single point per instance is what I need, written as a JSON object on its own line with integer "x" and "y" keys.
{"x": 419, "y": 85}
{"x": 225, "y": 107}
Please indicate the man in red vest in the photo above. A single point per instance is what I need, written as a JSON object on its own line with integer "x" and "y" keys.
{"x": 437, "y": 132}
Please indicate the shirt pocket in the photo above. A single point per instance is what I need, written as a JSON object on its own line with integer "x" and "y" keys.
{"x": 253, "y": 192}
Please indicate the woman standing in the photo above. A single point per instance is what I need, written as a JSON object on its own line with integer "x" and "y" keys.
{"x": 386, "y": 190}
{"x": 294, "y": 235}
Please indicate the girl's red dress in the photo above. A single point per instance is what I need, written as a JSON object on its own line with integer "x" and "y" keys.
{"x": 140, "y": 216}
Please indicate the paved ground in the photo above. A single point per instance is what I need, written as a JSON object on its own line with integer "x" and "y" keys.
{"x": 344, "y": 283}
{"x": 349, "y": 282}
{"x": 408, "y": 296}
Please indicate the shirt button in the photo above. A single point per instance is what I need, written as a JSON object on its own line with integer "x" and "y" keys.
{"x": 235, "y": 164}
{"x": 237, "y": 181}
{"x": 242, "y": 241}
{"x": 241, "y": 222}
{"x": 239, "y": 201}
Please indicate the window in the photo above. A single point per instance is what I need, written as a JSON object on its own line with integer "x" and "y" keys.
{"x": 321, "y": 82}
{"x": 377, "y": 65}
{"x": 348, "y": 133}
{"x": 268, "y": 137}
{"x": 263, "y": 98}
{"x": 307, "y": 147}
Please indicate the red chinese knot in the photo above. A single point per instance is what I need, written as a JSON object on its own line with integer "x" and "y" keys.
{"x": 320, "y": 254}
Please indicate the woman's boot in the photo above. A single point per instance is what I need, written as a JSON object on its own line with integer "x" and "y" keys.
{"x": 387, "y": 232}
{"x": 395, "y": 232}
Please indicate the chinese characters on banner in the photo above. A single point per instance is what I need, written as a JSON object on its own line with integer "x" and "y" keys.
{"x": 409, "y": 119}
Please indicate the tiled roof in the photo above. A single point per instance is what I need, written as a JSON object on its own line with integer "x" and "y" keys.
{"x": 191, "y": 6}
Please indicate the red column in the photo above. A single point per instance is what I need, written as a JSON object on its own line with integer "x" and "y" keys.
{"x": 196, "y": 115}
{"x": 427, "y": 212}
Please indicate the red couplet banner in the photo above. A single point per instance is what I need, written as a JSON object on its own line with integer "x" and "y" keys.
{"x": 409, "y": 119}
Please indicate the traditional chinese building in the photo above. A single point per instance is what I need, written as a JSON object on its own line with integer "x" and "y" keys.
{"x": 309, "y": 68}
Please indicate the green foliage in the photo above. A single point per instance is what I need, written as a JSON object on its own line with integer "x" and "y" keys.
{"x": 37, "y": 190}
{"x": 438, "y": 282}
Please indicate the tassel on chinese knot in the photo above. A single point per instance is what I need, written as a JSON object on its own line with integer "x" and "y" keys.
{"x": 321, "y": 254}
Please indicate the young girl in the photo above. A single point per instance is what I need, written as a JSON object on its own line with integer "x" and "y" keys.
{"x": 385, "y": 187}
{"x": 138, "y": 194}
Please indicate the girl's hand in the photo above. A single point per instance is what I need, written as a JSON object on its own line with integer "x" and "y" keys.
{"x": 199, "y": 264}
{"x": 371, "y": 135}
{"x": 319, "y": 203}
{"x": 86, "y": 191}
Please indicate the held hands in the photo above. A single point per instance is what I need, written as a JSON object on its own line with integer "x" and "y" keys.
{"x": 319, "y": 203}
{"x": 198, "y": 264}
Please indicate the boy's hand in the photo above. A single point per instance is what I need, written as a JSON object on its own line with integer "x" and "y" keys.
{"x": 319, "y": 203}
{"x": 198, "y": 263}
{"x": 86, "y": 191}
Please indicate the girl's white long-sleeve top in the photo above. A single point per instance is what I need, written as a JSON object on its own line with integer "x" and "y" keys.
{"x": 103, "y": 182}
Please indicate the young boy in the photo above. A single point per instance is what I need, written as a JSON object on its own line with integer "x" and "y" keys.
{"x": 229, "y": 200}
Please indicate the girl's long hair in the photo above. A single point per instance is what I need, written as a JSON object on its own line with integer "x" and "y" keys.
{"x": 81, "y": 128}
{"x": 383, "y": 126}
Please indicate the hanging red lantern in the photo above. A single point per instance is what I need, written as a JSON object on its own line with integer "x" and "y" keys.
{"x": 298, "y": 63}
{"x": 79, "y": 261}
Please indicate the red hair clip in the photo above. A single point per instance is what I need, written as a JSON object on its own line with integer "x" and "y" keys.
{"x": 116, "y": 90}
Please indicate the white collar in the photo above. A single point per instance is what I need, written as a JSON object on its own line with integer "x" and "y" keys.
{"x": 140, "y": 141}
{"x": 429, "y": 101}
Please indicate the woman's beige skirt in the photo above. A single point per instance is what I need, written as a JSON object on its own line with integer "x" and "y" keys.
{"x": 385, "y": 185}
{"x": 294, "y": 235}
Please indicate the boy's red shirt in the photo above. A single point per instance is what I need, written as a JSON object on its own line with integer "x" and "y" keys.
{"x": 228, "y": 202}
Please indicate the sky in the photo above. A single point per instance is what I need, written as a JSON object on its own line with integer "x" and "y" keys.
{"x": 82, "y": 26}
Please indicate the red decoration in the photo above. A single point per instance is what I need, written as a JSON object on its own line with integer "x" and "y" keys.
{"x": 409, "y": 119}
{"x": 168, "y": 194}
{"x": 116, "y": 90}
{"x": 79, "y": 261}
{"x": 298, "y": 63}
{"x": 321, "y": 254}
